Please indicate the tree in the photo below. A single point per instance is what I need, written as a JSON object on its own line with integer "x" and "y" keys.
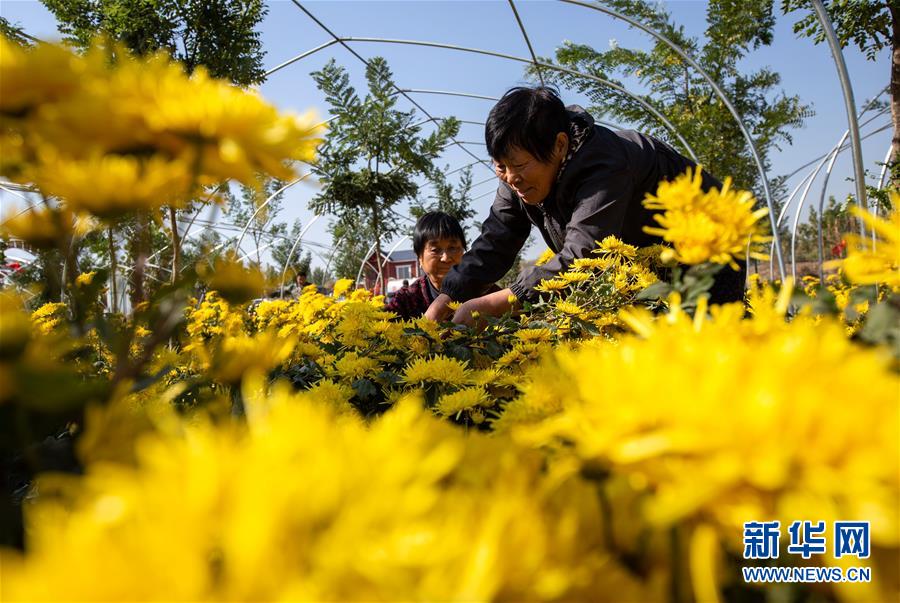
{"x": 247, "y": 208}
{"x": 372, "y": 153}
{"x": 455, "y": 201}
{"x": 871, "y": 25}
{"x": 683, "y": 96}
{"x": 220, "y": 35}
{"x": 14, "y": 33}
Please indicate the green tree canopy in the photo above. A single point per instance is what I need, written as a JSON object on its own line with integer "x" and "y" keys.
{"x": 372, "y": 155}
{"x": 221, "y": 35}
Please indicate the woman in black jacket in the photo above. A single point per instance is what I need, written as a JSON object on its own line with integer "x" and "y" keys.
{"x": 578, "y": 182}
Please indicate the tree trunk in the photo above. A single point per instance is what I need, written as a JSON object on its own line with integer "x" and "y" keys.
{"x": 379, "y": 274}
{"x": 113, "y": 270}
{"x": 895, "y": 94}
{"x": 140, "y": 249}
{"x": 176, "y": 245}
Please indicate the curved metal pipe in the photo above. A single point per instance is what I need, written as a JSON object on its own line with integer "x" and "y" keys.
{"x": 293, "y": 249}
{"x": 527, "y": 42}
{"x": 850, "y": 105}
{"x": 643, "y": 103}
{"x": 265, "y": 203}
{"x": 364, "y": 262}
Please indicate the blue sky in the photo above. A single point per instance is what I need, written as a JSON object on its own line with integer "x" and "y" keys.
{"x": 806, "y": 69}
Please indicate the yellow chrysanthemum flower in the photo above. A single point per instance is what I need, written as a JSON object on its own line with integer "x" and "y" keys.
{"x": 574, "y": 276}
{"x": 41, "y": 226}
{"x": 351, "y": 366}
{"x": 567, "y": 307}
{"x": 612, "y": 247}
{"x": 714, "y": 226}
{"x": 545, "y": 257}
{"x": 552, "y": 285}
{"x": 438, "y": 369}
{"x": 85, "y": 278}
{"x": 867, "y": 266}
{"x": 467, "y": 398}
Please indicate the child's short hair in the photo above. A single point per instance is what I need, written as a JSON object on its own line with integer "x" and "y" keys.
{"x": 436, "y": 225}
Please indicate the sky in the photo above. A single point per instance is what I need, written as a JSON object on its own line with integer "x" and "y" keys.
{"x": 807, "y": 70}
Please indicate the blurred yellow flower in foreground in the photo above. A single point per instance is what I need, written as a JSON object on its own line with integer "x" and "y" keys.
{"x": 138, "y": 133}
{"x": 306, "y": 505}
{"x": 867, "y": 266}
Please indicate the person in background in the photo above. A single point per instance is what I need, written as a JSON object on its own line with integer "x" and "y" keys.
{"x": 578, "y": 182}
{"x": 439, "y": 242}
{"x": 299, "y": 283}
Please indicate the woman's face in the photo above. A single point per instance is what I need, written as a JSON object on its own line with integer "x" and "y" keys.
{"x": 529, "y": 177}
{"x": 439, "y": 256}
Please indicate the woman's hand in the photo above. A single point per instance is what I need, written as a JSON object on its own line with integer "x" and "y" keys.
{"x": 439, "y": 309}
{"x": 492, "y": 304}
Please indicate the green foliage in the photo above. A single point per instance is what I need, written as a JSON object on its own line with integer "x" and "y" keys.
{"x": 864, "y": 23}
{"x": 219, "y": 35}
{"x": 453, "y": 200}
{"x": 14, "y": 33}
{"x": 679, "y": 92}
{"x": 371, "y": 157}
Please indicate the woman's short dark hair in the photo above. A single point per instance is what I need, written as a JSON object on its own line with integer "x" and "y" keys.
{"x": 436, "y": 225}
{"x": 528, "y": 118}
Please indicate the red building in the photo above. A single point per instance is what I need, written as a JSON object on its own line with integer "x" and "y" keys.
{"x": 400, "y": 265}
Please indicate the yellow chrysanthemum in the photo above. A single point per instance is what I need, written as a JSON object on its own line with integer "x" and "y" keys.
{"x": 592, "y": 263}
{"x": 612, "y": 247}
{"x": 40, "y": 226}
{"x": 438, "y": 369}
{"x": 85, "y": 278}
{"x": 552, "y": 285}
{"x": 545, "y": 257}
{"x": 575, "y": 276}
{"x": 468, "y": 398}
{"x": 112, "y": 185}
{"x": 351, "y": 366}
{"x": 867, "y": 266}
{"x": 570, "y": 308}
{"x": 713, "y": 226}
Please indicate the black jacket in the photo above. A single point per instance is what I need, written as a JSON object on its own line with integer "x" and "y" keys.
{"x": 598, "y": 193}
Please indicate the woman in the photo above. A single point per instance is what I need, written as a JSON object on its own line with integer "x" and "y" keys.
{"x": 439, "y": 242}
{"x": 578, "y": 182}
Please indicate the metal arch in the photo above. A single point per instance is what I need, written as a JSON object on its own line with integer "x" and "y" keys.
{"x": 887, "y": 158}
{"x": 343, "y": 43}
{"x": 302, "y": 55}
{"x": 722, "y": 97}
{"x": 776, "y": 242}
{"x": 402, "y": 240}
{"x": 364, "y": 262}
{"x": 820, "y": 237}
{"x": 850, "y": 106}
{"x": 293, "y": 249}
{"x": 608, "y": 124}
{"x": 265, "y": 203}
{"x": 643, "y": 103}
{"x": 450, "y": 93}
{"x": 528, "y": 42}
{"x": 796, "y": 222}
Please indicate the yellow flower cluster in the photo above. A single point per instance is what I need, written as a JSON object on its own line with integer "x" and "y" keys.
{"x": 714, "y": 226}
{"x": 306, "y": 505}
{"x": 866, "y": 265}
{"x": 715, "y": 419}
{"x": 110, "y": 137}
